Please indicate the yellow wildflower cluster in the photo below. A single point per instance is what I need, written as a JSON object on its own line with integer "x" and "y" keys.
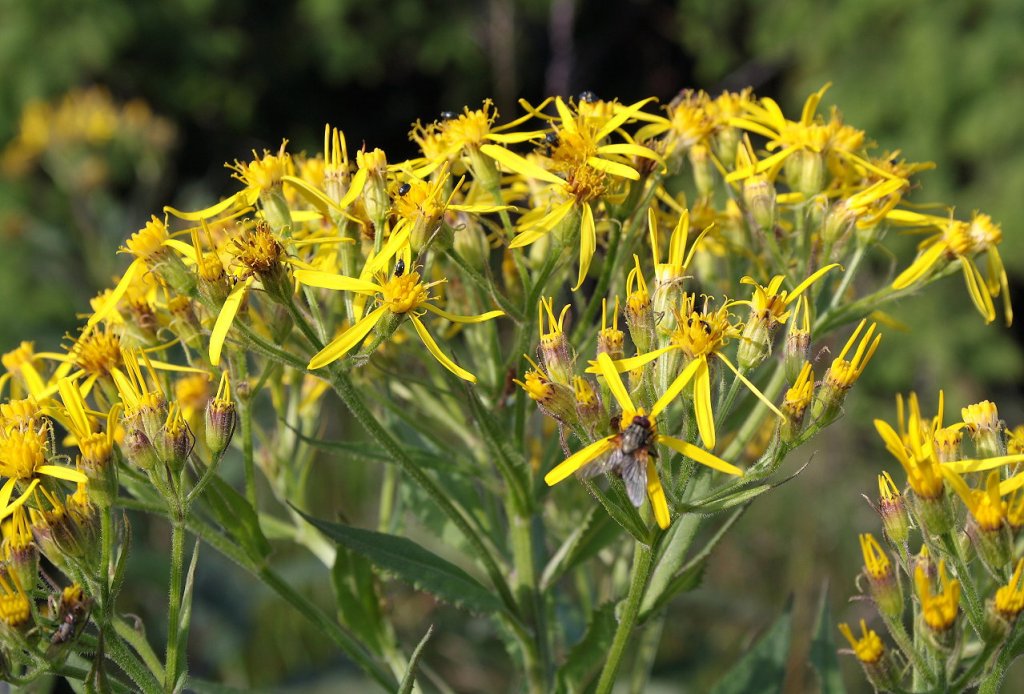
{"x": 963, "y": 505}
{"x": 717, "y": 238}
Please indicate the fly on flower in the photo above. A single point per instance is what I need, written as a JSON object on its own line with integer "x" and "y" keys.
{"x": 632, "y": 449}
{"x": 635, "y": 448}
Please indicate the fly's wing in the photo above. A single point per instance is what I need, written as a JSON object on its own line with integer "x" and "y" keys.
{"x": 634, "y": 475}
{"x": 606, "y": 463}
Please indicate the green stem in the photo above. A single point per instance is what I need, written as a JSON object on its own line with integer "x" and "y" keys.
{"x": 902, "y": 639}
{"x": 537, "y": 662}
{"x": 174, "y": 606}
{"x": 244, "y": 400}
{"x": 975, "y": 609}
{"x": 844, "y": 283}
{"x": 641, "y": 572}
{"x": 354, "y": 401}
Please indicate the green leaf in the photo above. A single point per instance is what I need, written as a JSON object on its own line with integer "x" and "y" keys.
{"x": 763, "y": 668}
{"x": 823, "y": 650}
{"x": 410, "y": 674}
{"x": 238, "y": 518}
{"x": 734, "y": 495}
{"x": 357, "y": 598}
{"x": 589, "y": 653}
{"x": 413, "y": 564}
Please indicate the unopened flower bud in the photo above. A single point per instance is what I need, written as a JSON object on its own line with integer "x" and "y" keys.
{"x": 893, "y": 510}
{"x": 375, "y": 191}
{"x": 759, "y": 200}
{"x": 556, "y": 400}
{"x": 883, "y": 583}
{"x": 471, "y": 242}
{"x": 610, "y": 339}
{"x": 703, "y": 170}
{"x": 805, "y": 172}
{"x": 796, "y": 402}
{"x": 220, "y": 419}
{"x": 588, "y": 405}
{"x": 639, "y": 314}
{"x": 175, "y": 440}
{"x": 876, "y": 661}
{"x": 139, "y": 450}
{"x": 556, "y": 354}
{"x": 985, "y": 428}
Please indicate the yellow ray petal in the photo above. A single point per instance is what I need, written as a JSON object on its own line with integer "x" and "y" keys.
{"x": 343, "y": 344}
{"x": 699, "y": 454}
{"x": 579, "y": 459}
{"x": 614, "y": 168}
{"x": 463, "y": 319}
{"x": 920, "y": 267}
{"x": 110, "y": 303}
{"x": 332, "y": 280}
{"x": 676, "y": 387}
{"x": 432, "y": 347}
{"x": 63, "y": 473}
{"x": 702, "y": 403}
{"x": 588, "y": 243}
{"x": 314, "y": 196}
{"x": 792, "y": 296}
{"x": 751, "y": 387}
{"x": 8, "y": 508}
{"x": 246, "y": 196}
{"x": 611, "y": 377}
{"x": 517, "y": 164}
{"x": 224, "y": 319}
{"x": 630, "y": 363}
{"x": 655, "y": 492}
{"x": 358, "y": 181}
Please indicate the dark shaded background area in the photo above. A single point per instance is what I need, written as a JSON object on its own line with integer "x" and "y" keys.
{"x": 943, "y": 80}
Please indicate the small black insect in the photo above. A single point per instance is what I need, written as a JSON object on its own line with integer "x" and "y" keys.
{"x": 404, "y": 188}
{"x": 587, "y": 96}
{"x": 629, "y": 459}
{"x": 399, "y": 268}
{"x": 551, "y": 138}
{"x": 449, "y": 115}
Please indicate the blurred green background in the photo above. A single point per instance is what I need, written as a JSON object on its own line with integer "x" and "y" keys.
{"x": 942, "y": 80}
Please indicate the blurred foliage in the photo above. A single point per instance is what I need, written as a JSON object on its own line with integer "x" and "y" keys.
{"x": 942, "y": 78}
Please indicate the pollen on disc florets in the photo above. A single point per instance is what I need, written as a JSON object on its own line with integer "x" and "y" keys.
{"x": 405, "y": 293}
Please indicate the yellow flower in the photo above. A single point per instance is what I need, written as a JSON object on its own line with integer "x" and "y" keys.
{"x": 957, "y": 240}
{"x": 699, "y": 335}
{"x": 400, "y": 296}
{"x": 938, "y": 609}
{"x": 679, "y": 260}
{"x": 914, "y": 448}
{"x": 23, "y": 459}
{"x": 985, "y": 505}
{"x": 15, "y": 608}
{"x": 809, "y": 138}
{"x": 632, "y": 460}
{"x": 868, "y": 648}
{"x": 1010, "y": 598}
